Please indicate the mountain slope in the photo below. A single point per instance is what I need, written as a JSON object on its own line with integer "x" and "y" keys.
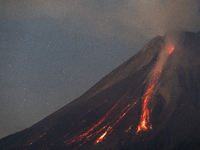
{"x": 151, "y": 101}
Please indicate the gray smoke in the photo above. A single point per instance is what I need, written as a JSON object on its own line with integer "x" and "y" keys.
{"x": 158, "y": 16}
{"x": 121, "y": 19}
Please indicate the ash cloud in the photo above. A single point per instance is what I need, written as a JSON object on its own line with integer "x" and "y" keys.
{"x": 156, "y": 16}
{"x": 125, "y": 20}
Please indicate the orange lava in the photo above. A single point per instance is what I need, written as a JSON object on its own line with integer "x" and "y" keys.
{"x": 95, "y": 132}
{"x": 144, "y": 123}
{"x": 101, "y": 137}
{"x": 89, "y": 133}
{"x": 128, "y": 129}
{"x": 114, "y": 122}
{"x": 98, "y": 131}
{"x": 171, "y": 50}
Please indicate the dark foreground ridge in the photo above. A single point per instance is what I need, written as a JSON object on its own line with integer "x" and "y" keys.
{"x": 150, "y": 102}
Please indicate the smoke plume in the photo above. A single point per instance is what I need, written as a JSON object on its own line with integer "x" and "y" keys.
{"x": 158, "y": 16}
{"x": 122, "y": 19}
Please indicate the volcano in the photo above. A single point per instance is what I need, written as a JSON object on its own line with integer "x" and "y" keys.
{"x": 151, "y": 101}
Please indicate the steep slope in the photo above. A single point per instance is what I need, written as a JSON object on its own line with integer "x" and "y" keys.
{"x": 151, "y": 101}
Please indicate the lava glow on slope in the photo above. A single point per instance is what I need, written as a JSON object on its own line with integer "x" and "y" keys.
{"x": 144, "y": 123}
{"x": 88, "y": 135}
{"x": 171, "y": 50}
{"x": 97, "y": 131}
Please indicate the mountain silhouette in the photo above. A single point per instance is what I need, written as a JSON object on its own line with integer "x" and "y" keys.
{"x": 150, "y": 102}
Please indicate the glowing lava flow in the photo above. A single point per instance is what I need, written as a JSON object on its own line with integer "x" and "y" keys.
{"x": 105, "y": 125}
{"x": 114, "y": 122}
{"x": 93, "y": 132}
{"x": 144, "y": 123}
{"x": 88, "y": 133}
{"x": 171, "y": 50}
{"x": 144, "y": 120}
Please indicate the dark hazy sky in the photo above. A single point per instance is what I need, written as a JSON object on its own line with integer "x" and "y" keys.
{"x": 51, "y": 51}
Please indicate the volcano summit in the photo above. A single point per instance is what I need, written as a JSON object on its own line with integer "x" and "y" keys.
{"x": 151, "y": 101}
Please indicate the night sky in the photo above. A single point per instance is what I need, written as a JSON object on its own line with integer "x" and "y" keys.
{"x": 51, "y": 52}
